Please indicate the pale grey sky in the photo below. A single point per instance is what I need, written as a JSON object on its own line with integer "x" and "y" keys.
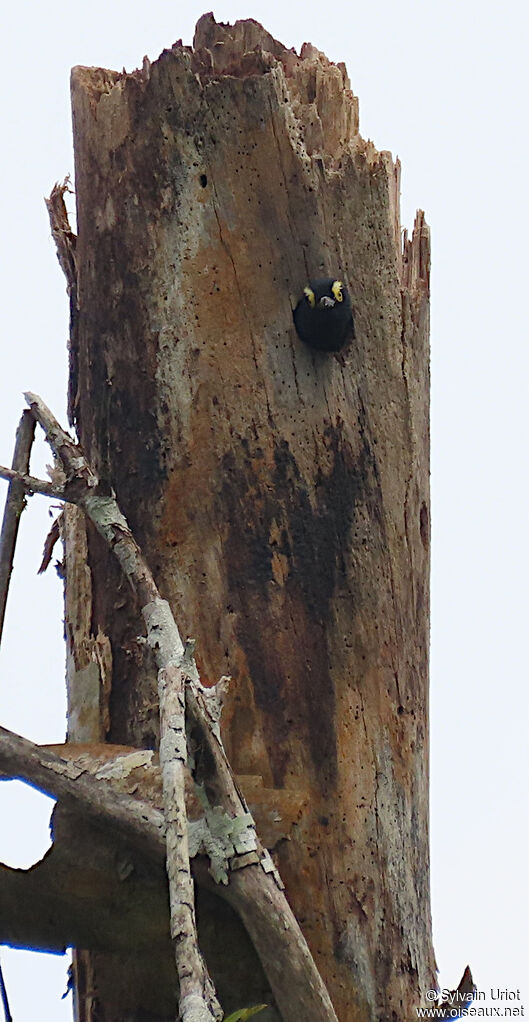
{"x": 443, "y": 86}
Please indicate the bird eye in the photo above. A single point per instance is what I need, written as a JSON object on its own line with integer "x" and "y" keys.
{"x": 337, "y": 290}
{"x": 310, "y": 296}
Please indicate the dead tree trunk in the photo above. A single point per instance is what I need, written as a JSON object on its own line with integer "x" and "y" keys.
{"x": 281, "y": 495}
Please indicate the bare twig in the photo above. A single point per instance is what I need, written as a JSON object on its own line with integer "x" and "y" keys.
{"x": 30, "y": 484}
{"x": 3, "y": 995}
{"x": 14, "y": 506}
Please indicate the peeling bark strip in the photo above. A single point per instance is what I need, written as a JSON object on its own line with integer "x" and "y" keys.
{"x": 197, "y": 994}
{"x": 65, "y": 241}
{"x": 296, "y": 984}
{"x": 280, "y": 495}
{"x": 15, "y": 502}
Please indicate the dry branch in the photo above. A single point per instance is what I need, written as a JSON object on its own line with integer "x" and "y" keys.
{"x": 286, "y": 958}
{"x": 253, "y": 894}
{"x": 136, "y": 821}
{"x": 4, "y": 998}
{"x": 30, "y": 484}
{"x": 198, "y": 1002}
{"x": 14, "y": 506}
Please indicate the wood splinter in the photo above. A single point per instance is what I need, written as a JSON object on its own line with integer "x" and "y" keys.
{"x": 15, "y": 502}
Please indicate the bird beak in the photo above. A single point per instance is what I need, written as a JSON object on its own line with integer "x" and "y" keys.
{"x": 326, "y": 302}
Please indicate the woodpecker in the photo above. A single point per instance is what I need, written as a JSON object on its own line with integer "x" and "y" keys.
{"x": 323, "y": 316}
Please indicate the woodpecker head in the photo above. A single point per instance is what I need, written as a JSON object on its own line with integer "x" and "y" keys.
{"x": 323, "y": 316}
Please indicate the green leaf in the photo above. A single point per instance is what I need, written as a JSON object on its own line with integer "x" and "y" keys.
{"x": 243, "y": 1013}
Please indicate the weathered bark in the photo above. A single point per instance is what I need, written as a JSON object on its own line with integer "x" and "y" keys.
{"x": 280, "y": 495}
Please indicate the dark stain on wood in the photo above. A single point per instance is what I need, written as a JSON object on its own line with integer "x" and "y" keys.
{"x": 281, "y": 524}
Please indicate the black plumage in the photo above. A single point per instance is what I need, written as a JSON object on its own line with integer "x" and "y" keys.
{"x": 323, "y": 316}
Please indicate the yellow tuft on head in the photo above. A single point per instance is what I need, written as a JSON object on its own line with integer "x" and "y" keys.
{"x": 337, "y": 290}
{"x": 310, "y": 296}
